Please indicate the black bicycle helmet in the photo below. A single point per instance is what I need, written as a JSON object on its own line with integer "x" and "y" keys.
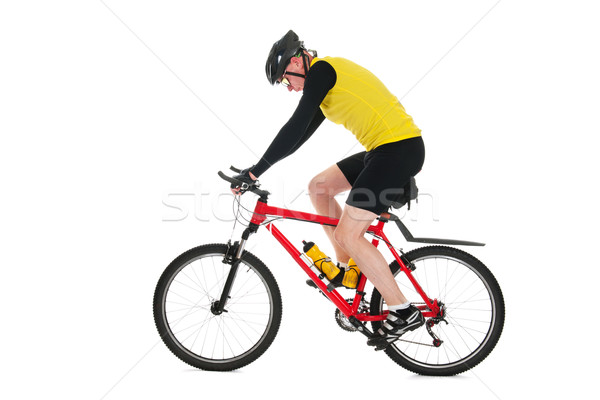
{"x": 280, "y": 55}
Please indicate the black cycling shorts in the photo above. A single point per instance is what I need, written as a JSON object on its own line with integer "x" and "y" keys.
{"x": 377, "y": 176}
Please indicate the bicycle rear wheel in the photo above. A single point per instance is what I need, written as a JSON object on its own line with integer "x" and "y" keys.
{"x": 185, "y": 317}
{"x": 474, "y": 310}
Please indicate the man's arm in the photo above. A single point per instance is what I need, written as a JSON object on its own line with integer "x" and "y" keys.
{"x": 312, "y": 127}
{"x": 305, "y": 120}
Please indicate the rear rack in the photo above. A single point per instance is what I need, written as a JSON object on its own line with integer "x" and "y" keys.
{"x": 410, "y": 238}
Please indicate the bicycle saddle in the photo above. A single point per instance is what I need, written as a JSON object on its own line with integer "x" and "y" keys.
{"x": 409, "y": 192}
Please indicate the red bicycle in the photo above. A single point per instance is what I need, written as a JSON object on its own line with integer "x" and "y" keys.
{"x": 218, "y": 307}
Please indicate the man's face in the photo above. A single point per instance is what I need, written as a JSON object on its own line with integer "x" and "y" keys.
{"x": 296, "y": 82}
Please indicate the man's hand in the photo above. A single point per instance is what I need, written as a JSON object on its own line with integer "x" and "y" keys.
{"x": 245, "y": 176}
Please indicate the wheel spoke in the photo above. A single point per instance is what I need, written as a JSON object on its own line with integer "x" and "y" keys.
{"x": 466, "y": 329}
{"x": 243, "y": 331}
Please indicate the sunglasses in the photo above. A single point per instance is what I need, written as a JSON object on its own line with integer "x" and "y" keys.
{"x": 285, "y": 82}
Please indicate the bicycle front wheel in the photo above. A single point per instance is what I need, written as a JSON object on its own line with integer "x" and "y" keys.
{"x": 185, "y": 315}
{"x": 474, "y": 312}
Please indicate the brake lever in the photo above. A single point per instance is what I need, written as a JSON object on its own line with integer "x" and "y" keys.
{"x": 244, "y": 186}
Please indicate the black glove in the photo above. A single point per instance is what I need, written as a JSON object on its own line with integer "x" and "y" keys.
{"x": 243, "y": 176}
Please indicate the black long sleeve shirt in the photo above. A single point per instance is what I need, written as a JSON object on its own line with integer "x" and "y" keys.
{"x": 306, "y": 119}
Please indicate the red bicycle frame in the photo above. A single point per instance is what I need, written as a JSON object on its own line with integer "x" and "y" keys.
{"x": 262, "y": 210}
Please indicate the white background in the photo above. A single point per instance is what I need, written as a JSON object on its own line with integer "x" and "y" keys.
{"x": 115, "y": 117}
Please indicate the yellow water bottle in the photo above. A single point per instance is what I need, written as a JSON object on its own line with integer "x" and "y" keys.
{"x": 351, "y": 275}
{"x": 321, "y": 261}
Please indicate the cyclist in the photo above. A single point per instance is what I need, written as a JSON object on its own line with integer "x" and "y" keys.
{"x": 348, "y": 94}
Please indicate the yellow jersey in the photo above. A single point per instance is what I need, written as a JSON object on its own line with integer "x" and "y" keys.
{"x": 361, "y": 103}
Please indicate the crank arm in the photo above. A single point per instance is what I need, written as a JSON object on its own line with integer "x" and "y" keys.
{"x": 360, "y": 327}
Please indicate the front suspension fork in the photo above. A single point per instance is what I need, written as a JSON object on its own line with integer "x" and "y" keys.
{"x": 218, "y": 307}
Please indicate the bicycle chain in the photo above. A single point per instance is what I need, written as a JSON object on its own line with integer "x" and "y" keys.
{"x": 409, "y": 341}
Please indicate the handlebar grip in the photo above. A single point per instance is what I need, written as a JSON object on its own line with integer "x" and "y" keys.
{"x": 234, "y": 169}
{"x": 229, "y": 179}
{"x": 244, "y": 186}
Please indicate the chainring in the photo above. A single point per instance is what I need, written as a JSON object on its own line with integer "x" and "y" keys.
{"x": 342, "y": 320}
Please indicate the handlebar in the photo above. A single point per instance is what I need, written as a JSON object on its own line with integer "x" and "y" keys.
{"x": 244, "y": 187}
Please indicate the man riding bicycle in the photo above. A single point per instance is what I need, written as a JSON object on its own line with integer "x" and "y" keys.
{"x": 348, "y": 94}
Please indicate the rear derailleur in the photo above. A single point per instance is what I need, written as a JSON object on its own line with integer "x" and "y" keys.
{"x": 431, "y": 322}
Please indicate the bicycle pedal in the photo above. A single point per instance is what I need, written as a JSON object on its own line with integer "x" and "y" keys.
{"x": 330, "y": 287}
{"x": 310, "y": 283}
{"x": 381, "y": 343}
{"x": 383, "y": 346}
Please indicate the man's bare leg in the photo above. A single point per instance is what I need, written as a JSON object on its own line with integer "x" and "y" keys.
{"x": 349, "y": 234}
{"x": 322, "y": 190}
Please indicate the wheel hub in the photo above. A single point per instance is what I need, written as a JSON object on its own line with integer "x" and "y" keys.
{"x": 214, "y": 308}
